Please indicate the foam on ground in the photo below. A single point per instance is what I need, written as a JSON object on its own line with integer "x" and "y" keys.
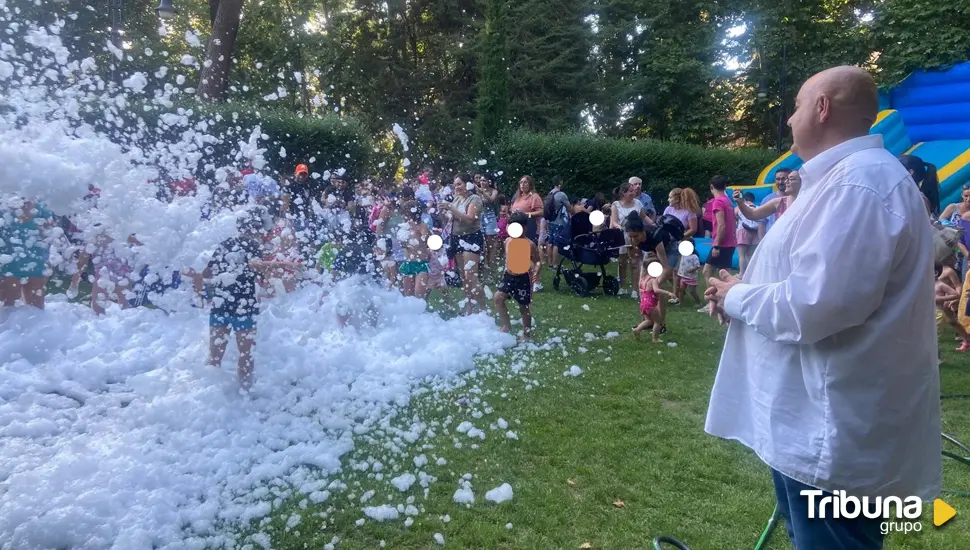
{"x": 117, "y": 435}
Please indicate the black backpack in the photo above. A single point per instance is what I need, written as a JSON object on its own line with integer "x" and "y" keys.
{"x": 669, "y": 230}
{"x": 549, "y": 207}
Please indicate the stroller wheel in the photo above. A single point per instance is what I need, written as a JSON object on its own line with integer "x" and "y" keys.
{"x": 555, "y": 282}
{"x": 579, "y": 285}
{"x": 611, "y": 285}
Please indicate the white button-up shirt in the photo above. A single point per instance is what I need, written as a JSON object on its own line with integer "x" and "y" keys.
{"x": 829, "y": 370}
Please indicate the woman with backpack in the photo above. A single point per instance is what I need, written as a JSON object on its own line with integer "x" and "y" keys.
{"x": 556, "y": 213}
{"x": 684, "y": 205}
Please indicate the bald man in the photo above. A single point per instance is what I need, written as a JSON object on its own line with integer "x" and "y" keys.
{"x": 829, "y": 369}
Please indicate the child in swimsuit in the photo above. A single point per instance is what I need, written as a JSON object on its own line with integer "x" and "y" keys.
{"x": 415, "y": 268}
{"x": 649, "y": 300}
{"x": 234, "y": 270}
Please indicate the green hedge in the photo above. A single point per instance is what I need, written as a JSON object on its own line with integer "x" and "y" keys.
{"x": 332, "y": 141}
{"x": 588, "y": 164}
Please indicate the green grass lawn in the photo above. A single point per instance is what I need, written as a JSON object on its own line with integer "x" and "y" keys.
{"x": 611, "y": 458}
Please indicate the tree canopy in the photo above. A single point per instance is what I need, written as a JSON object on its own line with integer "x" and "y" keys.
{"x": 455, "y": 74}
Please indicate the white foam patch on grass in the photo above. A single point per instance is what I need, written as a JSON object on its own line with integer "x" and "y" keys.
{"x": 403, "y": 482}
{"x": 384, "y": 512}
{"x": 499, "y": 494}
{"x": 116, "y": 433}
{"x": 464, "y": 494}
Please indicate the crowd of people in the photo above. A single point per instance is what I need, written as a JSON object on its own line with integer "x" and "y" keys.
{"x": 299, "y": 228}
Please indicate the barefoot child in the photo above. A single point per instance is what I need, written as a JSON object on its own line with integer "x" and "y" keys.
{"x": 947, "y": 299}
{"x": 111, "y": 273}
{"x": 356, "y": 277}
{"x": 949, "y": 275}
{"x": 517, "y": 280}
{"x": 688, "y": 268}
{"x": 235, "y": 268}
{"x": 415, "y": 268}
{"x": 650, "y": 301}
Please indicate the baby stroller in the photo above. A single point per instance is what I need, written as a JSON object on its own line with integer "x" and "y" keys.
{"x": 581, "y": 246}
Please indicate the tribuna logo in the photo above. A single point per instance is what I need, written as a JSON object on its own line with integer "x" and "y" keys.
{"x": 840, "y": 505}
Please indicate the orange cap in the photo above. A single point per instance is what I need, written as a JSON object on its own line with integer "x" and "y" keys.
{"x": 302, "y": 169}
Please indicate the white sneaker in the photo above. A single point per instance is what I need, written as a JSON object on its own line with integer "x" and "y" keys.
{"x": 634, "y": 295}
{"x": 537, "y": 287}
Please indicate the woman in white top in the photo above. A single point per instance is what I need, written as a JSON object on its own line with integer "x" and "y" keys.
{"x": 468, "y": 241}
{"x": 630, "y": 257}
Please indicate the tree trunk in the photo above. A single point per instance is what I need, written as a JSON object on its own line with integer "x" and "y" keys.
{"x": 397, "y": 21}
{"x": 300, "y": 66}
{"x": 213, "y": 10}
{"x": 215, "y": 72}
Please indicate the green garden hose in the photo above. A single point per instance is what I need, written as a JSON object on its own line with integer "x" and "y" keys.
{"x": 660, "y": 543}
{"x": 961, "y": 458}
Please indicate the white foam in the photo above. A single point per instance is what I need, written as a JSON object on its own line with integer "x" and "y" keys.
{"x": 384, "y": 512}
{"x": 403, "y": 482}
{"x": 115, "y": 432}
{"x": 499, "y": 494}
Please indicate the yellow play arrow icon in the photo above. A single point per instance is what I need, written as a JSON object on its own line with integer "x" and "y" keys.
{"x": 942, "y": 512}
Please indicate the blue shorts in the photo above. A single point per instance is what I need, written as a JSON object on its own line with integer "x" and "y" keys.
{"x": 673, "y": 257}
{"x": 234, "y": 322}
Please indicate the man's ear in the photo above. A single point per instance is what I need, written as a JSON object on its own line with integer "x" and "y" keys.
{"x": 823, "y": 108}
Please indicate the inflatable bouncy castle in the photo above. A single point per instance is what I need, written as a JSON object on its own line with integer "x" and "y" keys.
{"x": 927, "y": 115}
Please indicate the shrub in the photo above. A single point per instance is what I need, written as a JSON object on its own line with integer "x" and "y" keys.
{"x": 222, "y": 130}
{"x": 588, "y": 164}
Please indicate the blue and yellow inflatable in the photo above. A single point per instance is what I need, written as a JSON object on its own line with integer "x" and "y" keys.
{"x": 927, "y": 115}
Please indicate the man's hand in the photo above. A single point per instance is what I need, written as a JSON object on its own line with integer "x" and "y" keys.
{"x": 719, "y": 286}
{"x": 716, "y": 292}
{"x": 715, "y": 252}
